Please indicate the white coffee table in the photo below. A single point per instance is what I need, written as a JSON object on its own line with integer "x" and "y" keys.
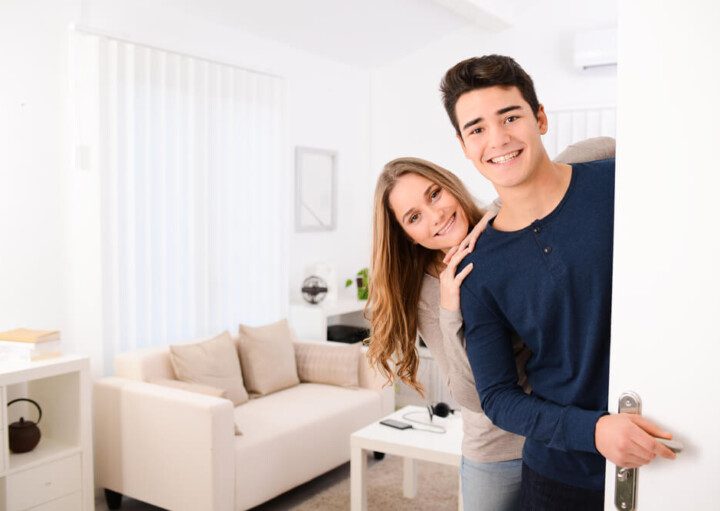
{"x": 411, "y": 444}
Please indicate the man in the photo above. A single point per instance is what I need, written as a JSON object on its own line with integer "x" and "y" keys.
{"x": 543, "y": 270}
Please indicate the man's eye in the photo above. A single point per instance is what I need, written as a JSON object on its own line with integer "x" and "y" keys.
{"x": 511, "y": 118}
{"x": 477, "y": 131}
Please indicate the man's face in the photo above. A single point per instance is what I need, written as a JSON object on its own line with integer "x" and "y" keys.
{"x": 500, "y": 134}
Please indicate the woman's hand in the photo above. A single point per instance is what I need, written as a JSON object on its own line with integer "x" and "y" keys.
{"x": 449, "y": 282}
{"x": 471, "y": 238}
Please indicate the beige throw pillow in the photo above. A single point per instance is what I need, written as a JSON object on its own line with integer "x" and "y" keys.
{"x": 328, "y": 363}
{"x": 267, "y": 358}
{"x": 214, "y": 363}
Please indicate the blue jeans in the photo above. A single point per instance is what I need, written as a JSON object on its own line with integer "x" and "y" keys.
{"x": 542, "y": 494}
{"x": 491, "y": 486}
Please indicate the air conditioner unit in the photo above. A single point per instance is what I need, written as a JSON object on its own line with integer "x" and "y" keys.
{"x": 595, "y": 48}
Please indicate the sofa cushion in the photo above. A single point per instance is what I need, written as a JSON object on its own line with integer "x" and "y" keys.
{"x": 322, "y": 362}
{"x": 213, "y": 362}
{"x": 296, "y": 434}
{"x": 267, "y": 358}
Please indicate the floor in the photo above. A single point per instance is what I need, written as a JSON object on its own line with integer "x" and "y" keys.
{"x": 283, "y": 502}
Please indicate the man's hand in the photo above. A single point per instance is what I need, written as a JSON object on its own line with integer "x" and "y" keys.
{"x": 627, "y": 440}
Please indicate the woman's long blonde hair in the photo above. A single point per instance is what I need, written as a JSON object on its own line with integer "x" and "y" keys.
{"x": 397, "y": 270}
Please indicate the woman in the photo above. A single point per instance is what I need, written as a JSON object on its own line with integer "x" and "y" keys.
{"x": 422, "y": 217}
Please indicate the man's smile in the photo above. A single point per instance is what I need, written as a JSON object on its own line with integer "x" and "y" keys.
{"x": 505, "y": 157}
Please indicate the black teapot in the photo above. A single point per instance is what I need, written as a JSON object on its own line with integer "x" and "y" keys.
{"x": 24, "y": 435}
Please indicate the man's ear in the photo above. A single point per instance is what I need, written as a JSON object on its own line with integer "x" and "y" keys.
{"x": 542, "y": 120}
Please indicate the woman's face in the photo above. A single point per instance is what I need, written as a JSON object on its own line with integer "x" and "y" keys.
{"x": 430, "y": 215}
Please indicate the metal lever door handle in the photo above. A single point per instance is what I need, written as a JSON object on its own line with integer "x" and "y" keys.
{"x": 626, "y": 478}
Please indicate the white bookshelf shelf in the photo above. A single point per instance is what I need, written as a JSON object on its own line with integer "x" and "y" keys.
{"x": 58, "y": 473}
{"x": 47, "y": 450}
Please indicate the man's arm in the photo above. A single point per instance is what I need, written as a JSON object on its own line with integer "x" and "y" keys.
{"x": 491, "y": 358}
{"x": 625, "y": 440}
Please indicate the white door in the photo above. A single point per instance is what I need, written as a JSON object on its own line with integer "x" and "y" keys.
{"x": 666, "y": 287}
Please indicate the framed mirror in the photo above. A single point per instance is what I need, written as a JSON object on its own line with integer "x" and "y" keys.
{"x": 315, "y": 189}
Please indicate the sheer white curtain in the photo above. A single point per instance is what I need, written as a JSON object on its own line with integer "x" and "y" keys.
{"x": 193, "y": 197}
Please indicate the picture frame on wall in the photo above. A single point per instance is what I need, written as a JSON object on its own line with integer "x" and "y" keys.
{"x": 315, "y": 189}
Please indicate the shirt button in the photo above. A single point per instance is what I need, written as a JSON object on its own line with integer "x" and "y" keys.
{"x": 536, "y": 230}
{"x": 547, "y": 250}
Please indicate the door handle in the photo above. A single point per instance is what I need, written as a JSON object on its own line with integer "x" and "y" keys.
{"x": 626, "y": 478}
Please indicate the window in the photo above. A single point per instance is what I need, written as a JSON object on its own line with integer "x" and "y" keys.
{"x": 193, "y": 203}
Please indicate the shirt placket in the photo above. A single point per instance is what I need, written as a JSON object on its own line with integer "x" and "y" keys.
{"x": 548, "y": 249}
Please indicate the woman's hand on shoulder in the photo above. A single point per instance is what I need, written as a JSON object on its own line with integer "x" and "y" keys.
{"x": 473, "y": 235}
{"x": 449, "y": 282}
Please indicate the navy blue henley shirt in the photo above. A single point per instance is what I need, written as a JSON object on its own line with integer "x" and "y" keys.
{"x": 550, "y": 283}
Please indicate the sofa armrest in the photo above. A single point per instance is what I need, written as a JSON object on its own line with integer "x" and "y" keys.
{"x": 165, "y": 446}
{"x": 372, "y": 379}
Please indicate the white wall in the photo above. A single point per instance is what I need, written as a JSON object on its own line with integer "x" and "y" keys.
{"x": 33, "y": 64}
{"x": 407, "y": 114}
{"x": 327, "y": 106}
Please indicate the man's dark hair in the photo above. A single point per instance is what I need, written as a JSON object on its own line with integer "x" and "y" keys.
{"x": 483, "y": 72}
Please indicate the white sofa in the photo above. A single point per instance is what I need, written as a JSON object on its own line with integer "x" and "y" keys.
{"x": 177, "y": 449}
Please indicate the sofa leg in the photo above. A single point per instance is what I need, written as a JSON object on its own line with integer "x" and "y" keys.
{"x": 113, "y": 499}
{"x": 378, "y": 455}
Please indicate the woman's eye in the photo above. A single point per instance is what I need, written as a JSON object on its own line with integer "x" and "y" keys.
{"x": 413, "y": 218}
{"x": 435, "y": 194}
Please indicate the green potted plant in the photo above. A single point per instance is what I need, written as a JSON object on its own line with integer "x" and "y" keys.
{"x": 362, "y": 280}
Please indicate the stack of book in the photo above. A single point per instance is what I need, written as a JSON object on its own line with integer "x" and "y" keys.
{"x": 27, "y": 345}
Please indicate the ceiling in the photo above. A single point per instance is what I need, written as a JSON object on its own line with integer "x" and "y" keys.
{"x": 365, "y": 33}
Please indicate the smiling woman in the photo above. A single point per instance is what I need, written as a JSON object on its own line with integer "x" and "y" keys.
{"x": 422, "y": 217}
{"x": 429, "y": 216}
{"x": 421, "y": 210}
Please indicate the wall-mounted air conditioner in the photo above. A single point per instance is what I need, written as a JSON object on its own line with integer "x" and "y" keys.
{"x": 595, "y": 48}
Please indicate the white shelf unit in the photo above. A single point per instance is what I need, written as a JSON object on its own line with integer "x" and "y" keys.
{"x": 310, "y": 321}
{"x": 58, "y": 474}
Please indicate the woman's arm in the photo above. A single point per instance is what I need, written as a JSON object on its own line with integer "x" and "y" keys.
{"x": 442, "y": 332}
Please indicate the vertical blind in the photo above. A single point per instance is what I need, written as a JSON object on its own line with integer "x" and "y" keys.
{"x": 193, "y": 200}
{"x": 572, "y": 125}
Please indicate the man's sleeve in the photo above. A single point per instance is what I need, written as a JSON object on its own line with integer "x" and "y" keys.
{"x": 489, "y": 349}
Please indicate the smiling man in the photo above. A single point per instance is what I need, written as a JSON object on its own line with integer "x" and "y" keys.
{"x": 543, "y": 270}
